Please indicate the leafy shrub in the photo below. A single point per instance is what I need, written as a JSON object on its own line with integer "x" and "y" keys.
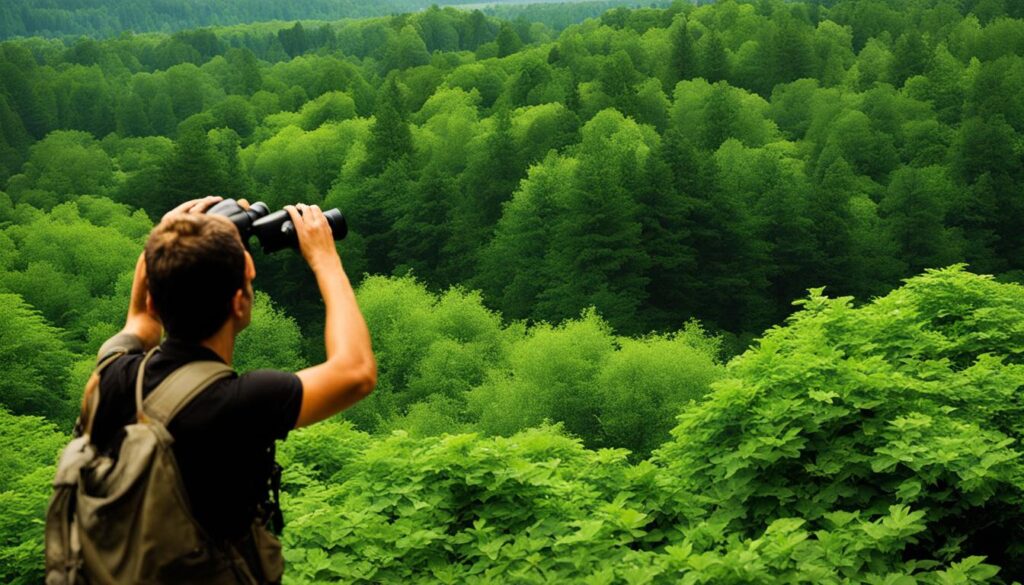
{"x": 610, "y": 391}
{"x": 448, "y": 364}
{"x": 28, "y": 452}
{"x": 908, "y": 408}
{"x": 461, "y": 509}
{"x": 550, "y": 375}
{"x": 425, "y": 344}
{"x": 645, "y": 384}
{"x": 853, "y": 445}
{"x": 33, "y": 362}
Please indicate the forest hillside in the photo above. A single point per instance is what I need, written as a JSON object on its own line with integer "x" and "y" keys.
{"x": 724, "y": 293}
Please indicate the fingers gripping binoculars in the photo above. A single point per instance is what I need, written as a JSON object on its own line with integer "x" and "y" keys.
{"x": 275, "y": 231}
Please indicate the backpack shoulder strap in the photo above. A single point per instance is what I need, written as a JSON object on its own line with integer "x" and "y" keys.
{"x": 92, "y": 400}
{"x": 178, "y": 389}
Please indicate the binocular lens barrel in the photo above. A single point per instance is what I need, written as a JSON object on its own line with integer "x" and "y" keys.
{"x": 275, "y": 231}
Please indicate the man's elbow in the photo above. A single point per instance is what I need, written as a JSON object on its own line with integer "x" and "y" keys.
{"x": 367, "y": 378}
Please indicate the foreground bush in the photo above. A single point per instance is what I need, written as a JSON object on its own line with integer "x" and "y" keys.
{"x": 28, "y": 453}
{"x": 875, "y": 445}
{"x": 866, "y": 445}
{"x": 911, "y": 403}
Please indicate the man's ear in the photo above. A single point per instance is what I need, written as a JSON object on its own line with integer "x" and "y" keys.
{"x": 151, "y": 308}
{"x": 250, "y": 266}
{"x": 239, "y": 303}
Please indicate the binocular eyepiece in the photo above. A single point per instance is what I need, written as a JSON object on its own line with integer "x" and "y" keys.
{"x": 275, "y": 231}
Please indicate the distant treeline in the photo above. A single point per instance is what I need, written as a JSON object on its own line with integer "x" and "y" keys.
{"x": 559, "y": 15}
{"x": 108, "y": 18}
{"x": 104, "y": 18}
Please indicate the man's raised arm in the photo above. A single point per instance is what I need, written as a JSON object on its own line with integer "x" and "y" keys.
{"x": 350, "y": 372}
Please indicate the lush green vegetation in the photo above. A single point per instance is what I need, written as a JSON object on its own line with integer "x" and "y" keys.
{"x": 562, "y": 239}
{"x": 834, "y": 451}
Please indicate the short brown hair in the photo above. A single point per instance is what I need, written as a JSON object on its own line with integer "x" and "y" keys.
{"x": 194, "y": 265}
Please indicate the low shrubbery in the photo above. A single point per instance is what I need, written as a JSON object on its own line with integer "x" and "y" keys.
{"x": 874, "y": 444}
{"x": 448, "y": 364}
{"x": 870, "y": 445}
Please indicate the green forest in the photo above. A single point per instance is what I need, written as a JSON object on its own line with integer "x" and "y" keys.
{"x": 705, "y": 293}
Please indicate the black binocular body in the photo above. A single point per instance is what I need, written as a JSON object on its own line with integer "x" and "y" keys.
{"x": 275, "y": 231}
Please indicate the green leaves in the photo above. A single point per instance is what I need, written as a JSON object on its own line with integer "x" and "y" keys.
{"x": 854, "y": 444}
{"x": 847, "y": 416}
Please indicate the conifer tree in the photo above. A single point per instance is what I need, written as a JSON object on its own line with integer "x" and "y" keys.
{"x": 786, "y": 228}
{"x": 476, "y": 31}
{"x": 475, "y": 208}
{"x": 508, "y": 40}
{"x": 408, "y": 50}
{"x": 384, "y": 199}
{"x": 237, "y": 182}
{"x": 829, "y": 212}
{"x": 666, "y": 239}
{"x": 732, "y": 260}
{"x": 421, "y": 228}
{"x": 293, "y": 39}
{"x": 910, "y": 57}
{"x": 684, "y": 55}
{"x": 792, "y": 54}
{"x": 914, "y": 209}
{"x": 193, "y": 170}
{"x": 132, "y": 119}
{"x": 596, "y": 257}
{"x": 390, "y": 138}
{"x": 247, "y": 76}
{"x": 161, "y": 115}
{"x": 720, "y": 114}
{"x": 714, "y": 63}
{"x": 513, "y": 267}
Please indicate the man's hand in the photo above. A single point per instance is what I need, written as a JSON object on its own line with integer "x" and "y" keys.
{"x": 196, "y": 206}
{"x": 316, "y": 242}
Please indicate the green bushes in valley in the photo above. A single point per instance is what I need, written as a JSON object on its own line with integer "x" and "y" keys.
{"x": 867, "y": 445}
{"x": 448, "y": 363}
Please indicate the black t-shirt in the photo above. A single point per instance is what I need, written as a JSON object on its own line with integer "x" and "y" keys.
{"x": 222, "y": 439}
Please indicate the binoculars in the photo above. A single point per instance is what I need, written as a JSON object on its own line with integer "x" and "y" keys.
{"x": 275, "y": 231}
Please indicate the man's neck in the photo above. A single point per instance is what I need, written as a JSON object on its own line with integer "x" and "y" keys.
{"x": 222, "y": 343}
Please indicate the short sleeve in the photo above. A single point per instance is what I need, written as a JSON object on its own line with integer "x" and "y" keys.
{"x": 270, "y": 401}
{"x": 122, "y": 342}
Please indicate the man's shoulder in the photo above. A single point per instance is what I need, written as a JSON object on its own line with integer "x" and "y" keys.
{"x": 269, "y": 398}
{"x": 266, "y": 386}
{"x": 267, "y": 376}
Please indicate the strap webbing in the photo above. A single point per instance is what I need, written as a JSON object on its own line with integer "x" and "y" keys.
{"x": 92, "y": 402}
{"x": 178, "y": 389}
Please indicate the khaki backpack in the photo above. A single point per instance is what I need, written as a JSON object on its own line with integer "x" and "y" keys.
{"x": 128, "y": 520}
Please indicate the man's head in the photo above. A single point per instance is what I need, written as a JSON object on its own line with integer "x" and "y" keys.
{"x": 199, "y": 276}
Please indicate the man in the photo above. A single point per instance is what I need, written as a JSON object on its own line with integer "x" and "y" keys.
{"x": 194, "y": 281}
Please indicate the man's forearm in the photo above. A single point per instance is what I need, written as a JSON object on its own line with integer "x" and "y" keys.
{"x": 346, "y": 337}
{"x": 139, "y": 322}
